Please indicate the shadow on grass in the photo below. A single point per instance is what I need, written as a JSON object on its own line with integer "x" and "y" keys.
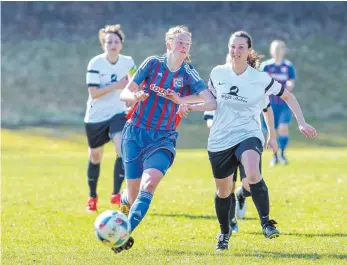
{"x": 260, "y": 254}
{"x": 190, "y": 216}
{"x": 305, "y": 235}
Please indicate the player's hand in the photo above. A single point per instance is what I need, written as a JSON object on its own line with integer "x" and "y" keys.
{"x": 140, "y": 95}
{"x": 271, "y": 143}
{"x": 183, "y": 110}
{"x": 173, "y": 96}
{"x": 308, "y": 130}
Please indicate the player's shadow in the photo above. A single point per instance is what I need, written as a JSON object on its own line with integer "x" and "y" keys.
{"x": 258, "y": 254}
{"x": 190, "y": 216}
{"x": 305, "y": 234}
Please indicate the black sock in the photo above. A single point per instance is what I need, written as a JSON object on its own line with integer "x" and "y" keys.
{"x": 232, "y": 207}
{"x": 222, "y": 206}
{"x": 118, "y": 175}
{"x": 243, "y": 192}
{"x": 260, "y": 196}
{"x": 93, "y": 176}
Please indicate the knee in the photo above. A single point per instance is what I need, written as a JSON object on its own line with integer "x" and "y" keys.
{"x": 95, "y": 157}
{"x": 253, "y": 175}
{"x": 283, "y": 129}
{"x": 224, "y": 191}
{"x": 150, "y": 180}
{"x": 149, "y": 185}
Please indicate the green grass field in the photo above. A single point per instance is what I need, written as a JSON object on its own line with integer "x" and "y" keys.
{"x": 44, "y": 191}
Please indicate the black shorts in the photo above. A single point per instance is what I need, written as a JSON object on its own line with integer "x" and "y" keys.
{"x": 224, "y": 163}
{"x": 101, "y": 133}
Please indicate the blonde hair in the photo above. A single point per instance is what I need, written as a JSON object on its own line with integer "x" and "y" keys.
{"x": 276, "y": 43}
{"x": 172, "y": 32}
{"x": 253, "y": 58}
{"x": 116, "y": 29}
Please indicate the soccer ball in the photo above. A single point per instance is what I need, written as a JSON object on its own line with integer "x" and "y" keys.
{"x": 112, "y": 228}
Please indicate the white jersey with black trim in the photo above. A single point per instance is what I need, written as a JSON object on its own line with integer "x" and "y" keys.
{"x": 102, "y": 73}
{"x": 240, "y": 100}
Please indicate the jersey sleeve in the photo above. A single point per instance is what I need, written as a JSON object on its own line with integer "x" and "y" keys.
{"x": 209, "y": 115}
{"x": 291, "y": 72}
{"x": 273, "y": 87}
{"x": 143, "y": 71}
{"x": 93, "y": 74}
{"x": 266, "y": 104}
{"x": 196, "y": 84}
{"x": 133, "y": 67}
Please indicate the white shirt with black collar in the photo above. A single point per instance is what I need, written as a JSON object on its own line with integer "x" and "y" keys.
{"x": 240, "y": 100}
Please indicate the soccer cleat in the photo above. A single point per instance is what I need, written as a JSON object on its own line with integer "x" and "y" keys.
{"x": 124, "y": 204}
{"x": 223, "y": 241}
{"x": 241, "y": 205}
{"x": 92, "y": 204}
{"x": 115, "y": 199}
{"x": 234, "y": 226}
{"x": 274, "y": 161}
{"x": 283, "y": 160}
{"x": 269, "y": 229}
{"x": 127, "y": 245}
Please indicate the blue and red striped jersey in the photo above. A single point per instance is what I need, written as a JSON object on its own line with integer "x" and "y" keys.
{"x": 158, "y": 112}
{"x": 281, "y": 73}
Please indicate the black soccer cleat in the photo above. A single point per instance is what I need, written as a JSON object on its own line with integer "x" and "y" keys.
{"x": 269, "y": 229}
{"x": 223, "y": 241}
{"x": 126, "y": 246}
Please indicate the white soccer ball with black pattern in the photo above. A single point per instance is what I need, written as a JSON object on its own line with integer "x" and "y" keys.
{"x": 112, "y": 228}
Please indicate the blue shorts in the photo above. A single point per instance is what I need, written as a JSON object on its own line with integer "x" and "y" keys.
{"x": 282, "y": 115}
{"x": 147, "y": 148}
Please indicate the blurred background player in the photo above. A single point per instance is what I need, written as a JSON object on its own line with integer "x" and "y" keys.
{"x": 282, "y": 71}
{"x": 149, "y": 137}
{"x": 238, "y": 204}
{"x": 107, "y": 75}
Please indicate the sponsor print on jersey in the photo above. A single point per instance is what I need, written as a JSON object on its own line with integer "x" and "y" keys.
{"x": 233, "y": 95}
{"x": 160, "y": 91}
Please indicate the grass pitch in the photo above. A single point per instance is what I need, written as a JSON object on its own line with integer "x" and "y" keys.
{"x": 44, "y": 192}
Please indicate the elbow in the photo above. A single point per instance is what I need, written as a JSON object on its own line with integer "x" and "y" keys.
{"x": 92, "y": 92}
{"x": 214, "y": 105}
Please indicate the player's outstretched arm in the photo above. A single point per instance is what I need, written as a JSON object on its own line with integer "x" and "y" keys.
{"x": 209, "y": 102}
{"x": 293, "y": 104}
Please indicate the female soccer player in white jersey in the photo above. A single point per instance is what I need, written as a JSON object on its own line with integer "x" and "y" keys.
{"x": 238, "y": 204}
{"x": 107, "y": 75}
{"x": 236, "y": 136}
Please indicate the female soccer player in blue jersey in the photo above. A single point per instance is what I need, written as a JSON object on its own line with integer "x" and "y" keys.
{"x": 282, "y": 71}
{"x": 149, "y": 137}
{"x": 107, "y": 75}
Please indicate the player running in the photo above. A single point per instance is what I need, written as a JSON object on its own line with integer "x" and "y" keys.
{"x": 107, "y": 75}
{"x": 149, "y": 137}
{"x": 236, "y": 136}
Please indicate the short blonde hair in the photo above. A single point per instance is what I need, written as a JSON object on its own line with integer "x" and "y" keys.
{"x": 116, "y": 29}
{"x": 172, "y": 32}
{"x": 277, "y": 42}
